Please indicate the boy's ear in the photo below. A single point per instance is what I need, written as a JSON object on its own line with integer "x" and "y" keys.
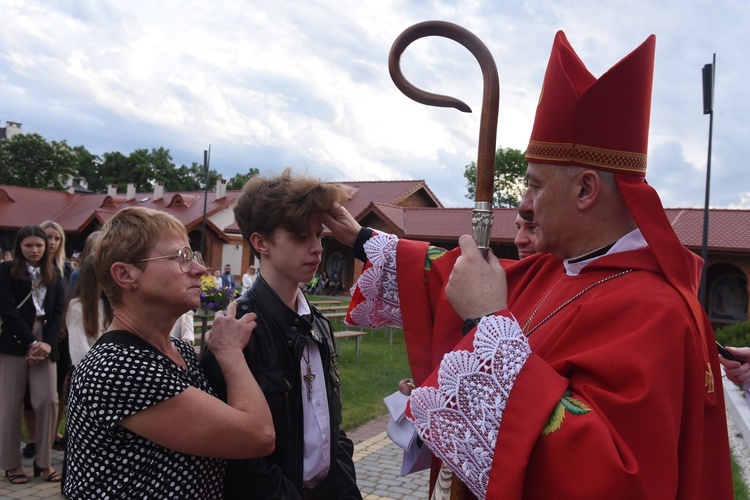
{"x": 259, "y": 243}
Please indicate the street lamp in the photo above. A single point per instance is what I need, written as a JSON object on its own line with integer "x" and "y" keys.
{"x": 709, "y": 73}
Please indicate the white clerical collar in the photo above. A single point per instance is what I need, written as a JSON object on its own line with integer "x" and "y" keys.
{"x": 631, "y": 241}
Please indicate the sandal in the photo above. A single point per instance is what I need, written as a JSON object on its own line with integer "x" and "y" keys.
{"x": 29, "y": 450}
{"x": 54, "y": 476}
{"x": 16, "y": 478}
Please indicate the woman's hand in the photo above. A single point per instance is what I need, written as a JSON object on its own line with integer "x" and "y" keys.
{"x": 240, "y": 428}
{"x": 38, "y": 351}
{"x": 229, "y": 334}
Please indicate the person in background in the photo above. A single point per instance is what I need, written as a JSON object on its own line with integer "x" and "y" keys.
{"x": 88, "y": 245}
{"x": 293, "y": 350}
{"x": 227, "y": 278}
{"x": 56, "y": 242}
{"x": 208, "y": 277}
{"x": 136, "y": 384}
{"x": 335, "y": 284}
{"x": 89, "y": 312}
{"x": 248, "y": 279}
{"x": 217, "y": 279}
{"x": 312, "y": 286}
{"x": 184, "y": 328}
{"x": 32, "y": 303}
{"x": 323, "y": 283}
{"x": 525, "y": 240}
{"x": 7, "y": 255}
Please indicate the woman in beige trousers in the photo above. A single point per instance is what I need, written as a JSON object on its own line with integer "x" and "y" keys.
{"x": 32, "y": 301}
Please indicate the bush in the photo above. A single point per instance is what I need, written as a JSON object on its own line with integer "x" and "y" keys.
{"x": 736, "y": 335}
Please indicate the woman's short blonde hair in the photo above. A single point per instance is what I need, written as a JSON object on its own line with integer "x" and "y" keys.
{"x": 128, "y": 237}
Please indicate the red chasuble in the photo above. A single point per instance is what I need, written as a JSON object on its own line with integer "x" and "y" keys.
{"x": 612, "y": 402}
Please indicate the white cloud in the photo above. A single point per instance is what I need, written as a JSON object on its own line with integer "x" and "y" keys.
{"x": 306, "y": 85}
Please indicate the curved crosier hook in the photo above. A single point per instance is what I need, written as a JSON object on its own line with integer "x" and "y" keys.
{"x": 482, "y": 214}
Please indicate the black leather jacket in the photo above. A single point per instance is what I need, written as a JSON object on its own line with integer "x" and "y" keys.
{"x": 273, "y": 355}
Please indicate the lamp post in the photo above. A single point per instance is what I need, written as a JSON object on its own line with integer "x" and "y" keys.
{"x": 709, "y": 72}
{"x": 206, "y": 160}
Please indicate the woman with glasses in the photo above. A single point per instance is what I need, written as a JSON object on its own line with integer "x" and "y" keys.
{"x": 134, "y": 386}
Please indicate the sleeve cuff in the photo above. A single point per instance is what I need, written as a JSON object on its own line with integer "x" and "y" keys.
{"x": 359, "y": 244}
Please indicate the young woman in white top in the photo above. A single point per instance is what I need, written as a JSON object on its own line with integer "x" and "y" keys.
{"x": 89, "y": 312}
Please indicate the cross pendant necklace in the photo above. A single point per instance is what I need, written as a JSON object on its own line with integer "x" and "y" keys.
{"x": 528, "y": 331}
{"x": 309, "y": 376}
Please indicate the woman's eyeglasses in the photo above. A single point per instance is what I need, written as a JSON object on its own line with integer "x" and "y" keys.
{"x": 184, "y": 256}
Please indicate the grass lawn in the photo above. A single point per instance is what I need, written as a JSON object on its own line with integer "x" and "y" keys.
{"x": 366, "y": 380}
{"x": 741, "y": 491}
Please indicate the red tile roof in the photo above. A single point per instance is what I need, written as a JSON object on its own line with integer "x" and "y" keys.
{"x": 729, "y": 230}
{"x": 20, "y": 206}
{"x": 444, "y": 223}
{"x": 384, "y": 192}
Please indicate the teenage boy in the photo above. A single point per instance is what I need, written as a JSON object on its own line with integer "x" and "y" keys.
{"x": 292, "y": 352}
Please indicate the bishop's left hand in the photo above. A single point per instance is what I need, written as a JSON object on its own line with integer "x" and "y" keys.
{"x": 476, "y": 287}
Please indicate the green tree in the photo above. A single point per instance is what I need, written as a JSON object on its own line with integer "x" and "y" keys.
{"x": 198, "y": 175}
{"x": 508, "y": 183}
{"x": 29, "y": 160}
{"x": 239, "y": 180}
{"x": 88, "y": 167}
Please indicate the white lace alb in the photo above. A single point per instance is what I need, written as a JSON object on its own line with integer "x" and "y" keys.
{"x": 460, "y": 419}
{"x": 379, "y": 285}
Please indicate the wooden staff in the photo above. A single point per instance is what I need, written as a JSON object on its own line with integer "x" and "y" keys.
{"x": 482, "y": 214}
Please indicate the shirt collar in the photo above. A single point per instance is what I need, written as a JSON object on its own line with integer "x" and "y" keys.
{"x": 303, "y": 308}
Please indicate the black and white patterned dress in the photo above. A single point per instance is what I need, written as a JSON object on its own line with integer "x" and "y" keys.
{"x": 120, "y": 376}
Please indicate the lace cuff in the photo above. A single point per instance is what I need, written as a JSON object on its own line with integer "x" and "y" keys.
{"x": 379, "y": 285}
{"x": 460, "y": 419}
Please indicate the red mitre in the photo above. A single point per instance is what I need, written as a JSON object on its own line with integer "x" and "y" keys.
{"x": 603, "y": 124}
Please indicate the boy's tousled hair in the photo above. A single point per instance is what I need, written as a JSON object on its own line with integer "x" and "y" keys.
{"x": 285, "y": 201}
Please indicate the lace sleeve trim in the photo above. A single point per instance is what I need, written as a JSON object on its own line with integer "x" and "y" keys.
{"x": 460, "y": 419}
{"x": 379, "y": 285}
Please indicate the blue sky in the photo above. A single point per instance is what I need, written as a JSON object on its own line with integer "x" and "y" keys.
{"x": 306, "y": 85}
